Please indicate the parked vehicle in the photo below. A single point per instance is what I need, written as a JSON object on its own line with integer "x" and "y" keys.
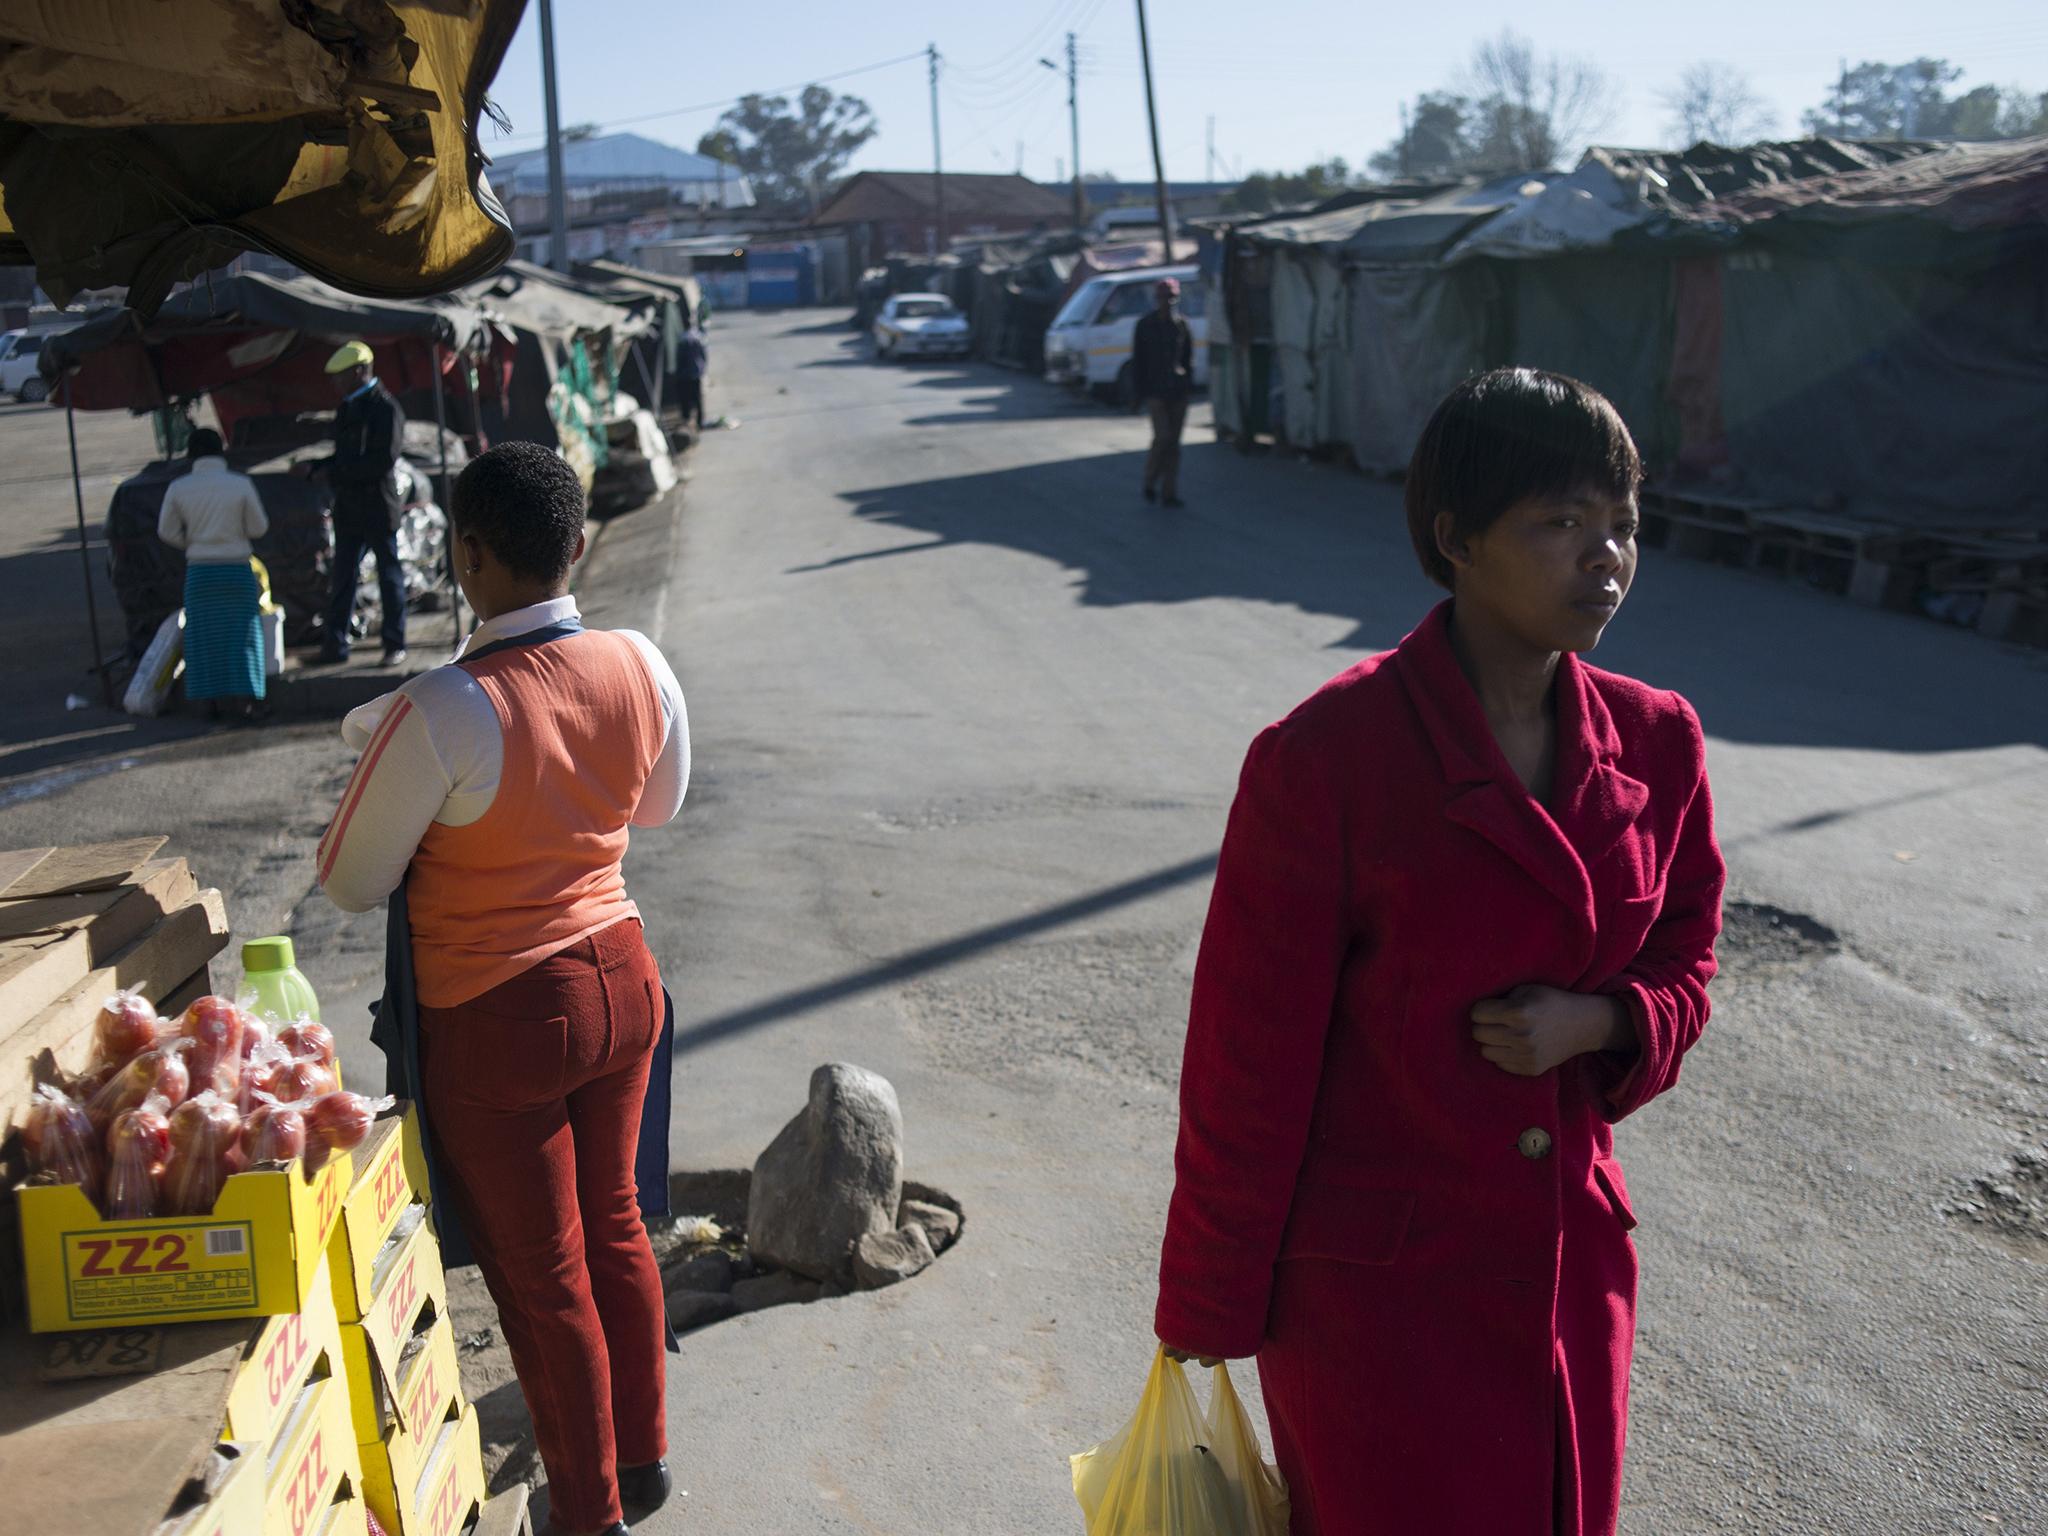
{"x": 19, "y": 353}
{"x": 921, "y": 325}
{"x": 1088, "y": 344}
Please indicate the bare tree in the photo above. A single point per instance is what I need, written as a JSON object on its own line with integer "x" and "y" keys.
{"x": 1714, "y": 102}
{"x": 1530, "y": 108}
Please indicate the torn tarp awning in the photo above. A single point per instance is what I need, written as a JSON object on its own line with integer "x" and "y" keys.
{"x": 142, "y": 143}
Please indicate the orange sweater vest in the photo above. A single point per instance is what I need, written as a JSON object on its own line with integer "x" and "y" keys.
{"x": 582, "y": 726}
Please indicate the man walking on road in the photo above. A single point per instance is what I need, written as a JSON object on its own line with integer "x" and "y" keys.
{"x": 693, "y": 361}
{"x": 369, "y": 430}
{"x": 1163, "y": 370}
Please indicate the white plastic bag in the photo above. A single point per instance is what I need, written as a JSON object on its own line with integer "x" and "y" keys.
{"x": 158, "y": 669}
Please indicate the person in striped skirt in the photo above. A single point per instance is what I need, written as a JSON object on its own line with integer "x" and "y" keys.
{"x": 213, "y": 514}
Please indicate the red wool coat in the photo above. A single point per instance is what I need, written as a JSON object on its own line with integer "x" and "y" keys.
{"x": 1429, "y": 1255}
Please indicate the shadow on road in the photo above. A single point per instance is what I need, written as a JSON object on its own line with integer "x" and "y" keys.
{"x": 934, "y": 957}
{"x": 1762, "y": 661}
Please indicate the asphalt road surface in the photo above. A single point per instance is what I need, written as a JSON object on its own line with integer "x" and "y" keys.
{"x": 967, "y": 717}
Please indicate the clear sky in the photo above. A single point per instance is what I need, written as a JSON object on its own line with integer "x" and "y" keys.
{"x": 1287, "y": 81}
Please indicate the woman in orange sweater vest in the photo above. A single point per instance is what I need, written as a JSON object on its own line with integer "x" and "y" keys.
{"x": 492, "y": 803}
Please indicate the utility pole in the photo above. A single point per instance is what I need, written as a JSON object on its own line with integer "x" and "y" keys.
{"x": 1404, "y": 141}
{"x": 931, "y": 53}
{"x": 558, "y": 211}
{"x": 1209, "y": 160}
{"x": 1152, "y": 117}
{"x": 1074, "y": 121}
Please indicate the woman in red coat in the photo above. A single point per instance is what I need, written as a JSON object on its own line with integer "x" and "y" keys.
{"x": 1463, "y": 921}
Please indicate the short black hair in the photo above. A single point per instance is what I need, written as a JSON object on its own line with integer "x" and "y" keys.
{"x": 1502, "y": 437}
{"x": 526, "y": 504}
{"x": 204, "y": 443}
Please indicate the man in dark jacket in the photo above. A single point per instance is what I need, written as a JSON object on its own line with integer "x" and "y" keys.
{"x": 1163, "y": 370}
{"x": 693, "y": 361}
{"x": 369, "y": 430}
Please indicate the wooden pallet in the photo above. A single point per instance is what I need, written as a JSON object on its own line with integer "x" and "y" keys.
{"x": 1877, "y": 564}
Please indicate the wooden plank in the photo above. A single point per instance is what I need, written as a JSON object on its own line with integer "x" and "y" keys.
{"x": 55, "y": 914}
{"x": 84, "y": 868}
{"x": 505, "y": 1515}
{"x": 110, "y": 1455}
{"x": 17, "y": 862}
{"x": 58, "y": 1038}
{"x": 36, "y": 971}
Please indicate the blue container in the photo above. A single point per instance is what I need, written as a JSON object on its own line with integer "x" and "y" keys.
{"x": 781, "y": 276}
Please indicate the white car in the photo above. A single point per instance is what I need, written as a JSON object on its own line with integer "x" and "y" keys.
{"x": 19, "y": 351}
{"x": 921, "y": 325}
{"x": 1089, "y": 341}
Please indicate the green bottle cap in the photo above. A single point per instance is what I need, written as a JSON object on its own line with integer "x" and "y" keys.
{"x": 268, "y": 955}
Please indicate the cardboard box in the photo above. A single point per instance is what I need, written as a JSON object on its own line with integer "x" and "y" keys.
{"x": 311, "y": 1461}
{"x": 410, "y": 1389}
{"x": 408, "y": 1267}
{"x": 290, "y": 1351}
{"x": 427, "y": 1488}
{"x": 391, "y": 1177}
{"x": 256, "y": 1254}
{"x": 234, "y": 1508}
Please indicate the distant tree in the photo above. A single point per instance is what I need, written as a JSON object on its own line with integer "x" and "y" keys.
{"x": 1514, "y": 110}
{"x": 1911, "y": 101}
{"x": 792, "y": 153}
{"x": 1715, "y": 103}
{"x": 576, "y": 133}
{"x": 1263, "y": 191}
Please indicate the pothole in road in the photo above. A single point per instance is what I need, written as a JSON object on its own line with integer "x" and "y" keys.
{"x": 2011, "y": 1204}
{"x": 1756, "y": 936}
{"x": 709, "y": 1276}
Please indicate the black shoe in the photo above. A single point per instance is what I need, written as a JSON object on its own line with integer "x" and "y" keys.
{"x": 643, "y": 1490}
{"x": 1150, "y": 495}
{"x": 616, "y": 1528}
{"x": 1175, "y": 501}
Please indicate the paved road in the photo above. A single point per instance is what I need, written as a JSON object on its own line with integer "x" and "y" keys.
{"x": 967, "y": 717}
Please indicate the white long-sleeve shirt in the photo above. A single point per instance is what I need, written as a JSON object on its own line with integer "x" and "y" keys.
{"x": 441, "y": 760}
{"x": 212, "y": 514}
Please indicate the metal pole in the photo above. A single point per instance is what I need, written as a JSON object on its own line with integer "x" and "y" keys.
{"x": 446, "y": 499}
{"x": 931, "y": 53}
{"x": 558, "y": 212}
{"x": 92, "y": 607}
{"x": 1152, "y": 117}
{"x": 1074, "y": 118}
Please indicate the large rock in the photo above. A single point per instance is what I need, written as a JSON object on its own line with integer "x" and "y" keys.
{"x": 776, "y": 1290}
{"x": 694, "y": 1309}
{"x": 884, "y": 1258}
{"x": 834, "y": 1175}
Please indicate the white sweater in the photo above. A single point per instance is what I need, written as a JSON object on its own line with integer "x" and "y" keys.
{"x": 212, "y": 514}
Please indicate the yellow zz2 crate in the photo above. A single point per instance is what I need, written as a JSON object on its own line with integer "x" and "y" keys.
{"x": 431, "y": 1486}
{"x": 257, "y": 1253}
{"x": 345, "y": 1517}
{"x": 391, "y": 1178}
{"x": 279, "y": 1363}
{"x": 313, "y": 1462}
{"x": 236, "y": 1507}
{"x": 407, "y": 1383}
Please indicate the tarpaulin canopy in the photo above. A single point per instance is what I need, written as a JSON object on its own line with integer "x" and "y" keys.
{"x": 1661, "y": 194}
{"x": 258, "y": 345}
{"x": 533, "y": 298}
{"x": 142, "y": 143}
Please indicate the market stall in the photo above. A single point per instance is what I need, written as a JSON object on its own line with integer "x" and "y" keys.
{"x": 255, "y": 347}
{"x": 220, "y": 1283}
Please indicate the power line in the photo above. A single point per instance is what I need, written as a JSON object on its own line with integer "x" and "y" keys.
{"x": 733, "y": 101}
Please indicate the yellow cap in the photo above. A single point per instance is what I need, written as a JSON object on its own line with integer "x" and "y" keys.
{"x": 351, "y": 354}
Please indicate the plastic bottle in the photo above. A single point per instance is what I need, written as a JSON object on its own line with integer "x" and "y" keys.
{"x": 273, "y": 987}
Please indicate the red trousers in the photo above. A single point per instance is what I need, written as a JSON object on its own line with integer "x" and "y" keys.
{"x": 533, "y": 1094}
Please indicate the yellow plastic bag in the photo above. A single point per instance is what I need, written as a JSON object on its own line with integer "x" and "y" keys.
{"x": 1255, "y": 1483}
{"x": 1157, "y": 1476}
